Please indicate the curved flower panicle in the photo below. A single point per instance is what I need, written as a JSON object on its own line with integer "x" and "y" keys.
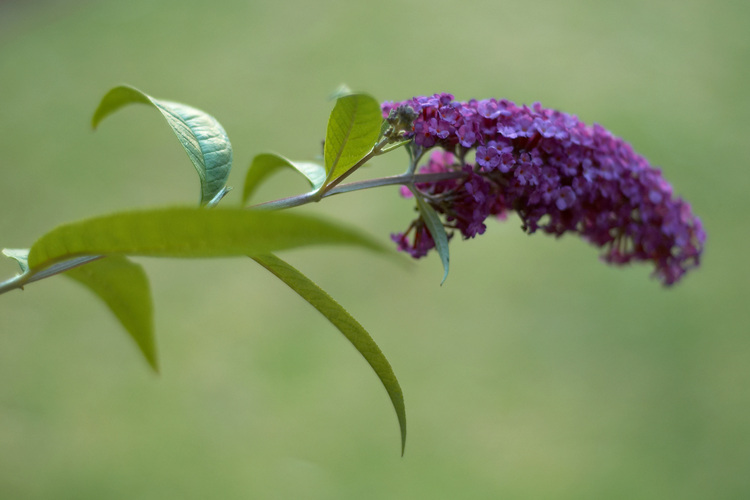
{"x": 557, "y": 173}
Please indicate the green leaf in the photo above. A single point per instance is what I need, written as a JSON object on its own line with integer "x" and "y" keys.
{"x": 384, "y": 126}
{"x": 190, "y": 232}
{"x": 436, "y": 229}
{"x": 123, "y": 286}
{"x": 352, "y": 330}
{"x": 202, "y": 137}
{"x": 395, "y": 145}
{"x": 353, "y": 129}
{"x": 20, "y": 255}
{"x": 265, "y": 164}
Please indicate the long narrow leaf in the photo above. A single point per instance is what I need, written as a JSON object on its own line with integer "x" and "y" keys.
{"x": 352, "y": 330}
{"x": 436, "y": 229}
{"x": 265, "y": 164}
{"x": 353, "y": 129}
{"x": 190, "y": 232}
{"x": 124, "y": 288}
{"x": 201, "y": 135}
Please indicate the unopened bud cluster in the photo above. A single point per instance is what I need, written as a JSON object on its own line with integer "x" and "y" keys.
{"x": 400, "y": 121}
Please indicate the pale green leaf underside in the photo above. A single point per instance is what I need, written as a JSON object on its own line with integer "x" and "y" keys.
{"x": 191, "y": 233}
{"x": 201, "y": 135}
{"x": 352, "y": 330}
{"x": 266, "y": 164}
{"x": 353, "y": 129}
{"x": 340, "y": 91}
{"x": 436, "y": 229}
{"x": 124, "y": 288}
{"x": 20, "y": 255}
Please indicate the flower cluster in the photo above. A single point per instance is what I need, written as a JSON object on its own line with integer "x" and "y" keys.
{"x": 556, "y": 173}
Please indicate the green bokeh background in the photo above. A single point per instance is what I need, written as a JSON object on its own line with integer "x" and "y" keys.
{"x": 534, "y": 372}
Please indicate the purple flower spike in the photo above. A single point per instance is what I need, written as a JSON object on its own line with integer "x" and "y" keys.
{"x": 558, "y": 174}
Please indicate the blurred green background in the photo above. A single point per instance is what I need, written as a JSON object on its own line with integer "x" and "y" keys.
{"x": 534, "y": 372}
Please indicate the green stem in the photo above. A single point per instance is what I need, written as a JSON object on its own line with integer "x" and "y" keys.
{"x": 404, "y": 179}
{"x": 13, "y": 283}
{"x": 375, "y": 151}
{"x": 24, "y": 279}
{"x": 408, "y": 178}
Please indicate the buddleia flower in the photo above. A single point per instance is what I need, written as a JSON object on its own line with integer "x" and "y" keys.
{"x": 558, "y": 174}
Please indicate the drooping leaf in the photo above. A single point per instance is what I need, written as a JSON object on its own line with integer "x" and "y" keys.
{"x": 265, "y": 164}
{"x": 20, "y": 255}
{"x": 124, "y": 288}
{"x": 353, "y": 129}
{"x": 352, "y": 330}
{"x": 436, "y": 229}
{"x": 200, "y": 134}
{"x": 190, "y": 232}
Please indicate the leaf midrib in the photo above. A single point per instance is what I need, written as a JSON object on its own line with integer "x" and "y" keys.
{"x": 346, "y": 137}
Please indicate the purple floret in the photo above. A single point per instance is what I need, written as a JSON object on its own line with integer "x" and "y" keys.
{"x": 558, "y": 174}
